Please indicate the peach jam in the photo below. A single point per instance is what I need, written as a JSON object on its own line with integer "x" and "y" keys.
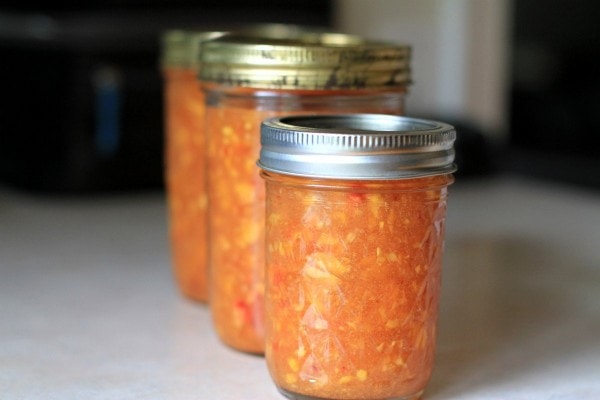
{"x": 355, "y": 213}
{"x": 247, "y": 80}
{"x": 185, "y": 159}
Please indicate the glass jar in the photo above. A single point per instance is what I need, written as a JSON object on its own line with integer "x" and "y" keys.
{"x": 185, "y": 160}
{"x": 185, "y": 149}
{"x": 355, "y": 215}
{"x": 246, "y": 81}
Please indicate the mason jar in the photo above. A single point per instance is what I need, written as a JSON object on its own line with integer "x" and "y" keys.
{"x": 246, "y": 80}
{"x": 185, "y": 160}
{"x": 185, "y": 148}
{"x": 355, "y": 216}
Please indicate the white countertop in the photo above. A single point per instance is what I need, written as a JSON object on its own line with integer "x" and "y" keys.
{"x": 88, "y": 309}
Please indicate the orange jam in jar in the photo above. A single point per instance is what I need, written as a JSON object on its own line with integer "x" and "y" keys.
{"x": 246, "y": 81}
{"x": 355, "y": 214}
{"x": 185, "y": 159}
{"x": 185, "y": 150}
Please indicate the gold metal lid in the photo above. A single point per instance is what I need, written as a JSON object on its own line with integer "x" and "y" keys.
{"x": 181, "y": 48}
{"x": 306, "y": 61}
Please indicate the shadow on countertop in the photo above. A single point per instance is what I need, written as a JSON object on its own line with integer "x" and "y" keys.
{"x": 511, "y": 308}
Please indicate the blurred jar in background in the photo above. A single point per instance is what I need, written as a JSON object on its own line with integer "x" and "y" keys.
{"x": 355, "y": 211}
{"x": 185, "y": 160}
{"x": 185, "y": 148}
{"x": 246, "y": 81}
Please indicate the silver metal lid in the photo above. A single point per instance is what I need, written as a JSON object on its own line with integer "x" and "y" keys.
{"x": 357, "y": 146}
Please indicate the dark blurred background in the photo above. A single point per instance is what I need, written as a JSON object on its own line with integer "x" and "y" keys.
{"x": 555, "y": 91}
{"x": 81, "y": 103}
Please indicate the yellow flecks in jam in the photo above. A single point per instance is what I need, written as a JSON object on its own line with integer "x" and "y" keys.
{"x": 249, "y": 234}
{"x": 281, "y": 249}
{"x": 275, "y": 219}
{"x": 301, "y": 352}
{"x": 291, "y": 378}
{"x": 400, "y": 362}
{"x": 326, "y": 239}
{"x": 350, "y": 237}
{"x": 361, "y": 375}
{"x": 375, "y": 202}
{"x": 228, "y": 132}
{"x": 392, "y": 323}
{"x": 392, "y": 257}
{"x": 293, "y": 364}
{"x": 244, "y": 191}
